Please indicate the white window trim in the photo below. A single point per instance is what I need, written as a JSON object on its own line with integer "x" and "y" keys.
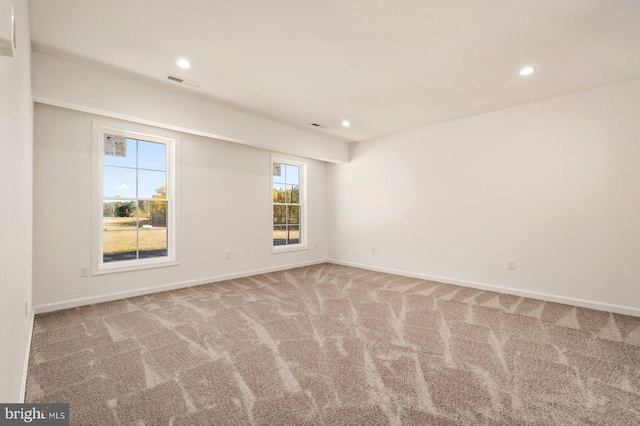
{"x": 141, "y": 133}
{"x": 303, "y": 204}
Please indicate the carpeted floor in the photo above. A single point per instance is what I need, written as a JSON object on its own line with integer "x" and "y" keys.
{"x": 336, "y": 345}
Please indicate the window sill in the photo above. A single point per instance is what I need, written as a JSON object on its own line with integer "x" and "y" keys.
{"x": 102, "y": 270}
{"x": 286, "y": 249}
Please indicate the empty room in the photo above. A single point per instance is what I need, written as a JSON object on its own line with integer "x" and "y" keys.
{"x": 320, "y": 213}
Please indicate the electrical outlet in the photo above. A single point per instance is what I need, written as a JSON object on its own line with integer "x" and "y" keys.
{"x": 316, "y": 246}
{"x": 373, "y": 250}
{"x": 84, "y": 271}
{"x": 228, "y": 255}
{"x": 26, "y": 308}
{"x": 511, "y": 264}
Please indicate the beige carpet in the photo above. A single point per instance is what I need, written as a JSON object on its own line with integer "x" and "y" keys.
{"x": 335, "y": 345}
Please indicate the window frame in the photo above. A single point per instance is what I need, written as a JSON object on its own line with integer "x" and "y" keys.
{"x": 302, "y": 245}
{"x": 139, "y": 133}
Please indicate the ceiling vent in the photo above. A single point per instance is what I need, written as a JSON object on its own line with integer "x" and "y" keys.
{"x": 320, "y": 126}
{"x": 183, "y": 80}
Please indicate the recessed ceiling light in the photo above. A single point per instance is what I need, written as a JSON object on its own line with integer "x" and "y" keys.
{"x": 345, "y": 123}
{"x": 527, "y": 70}
{"x": 183, "y": 63}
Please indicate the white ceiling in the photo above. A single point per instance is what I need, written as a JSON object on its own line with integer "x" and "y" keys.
{"x": 386, "y": 66}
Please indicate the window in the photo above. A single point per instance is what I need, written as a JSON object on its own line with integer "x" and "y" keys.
{"x": 136, "y": 203}
{"x": 288, "y": 204}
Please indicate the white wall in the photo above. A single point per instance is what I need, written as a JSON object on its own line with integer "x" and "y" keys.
{"x": 224, "y": 206}
{"x": 61, "y": 83}
{"x": 16, "y": 165}
{"x": 554, "y": 185}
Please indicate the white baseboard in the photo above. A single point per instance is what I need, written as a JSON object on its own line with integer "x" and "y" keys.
{"x": 600, "y": 306}
{"x": 625, "y": 310}
{"x": 25, "y": 366}
{"x": 72, "y": 303}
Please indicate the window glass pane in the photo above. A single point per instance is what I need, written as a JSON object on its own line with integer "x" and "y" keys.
{"x": 119, "y": 230}
{"x": 157, "y": 213}
{"x": 279, "y": 235}
{"x": 293, "y": 234}
{"x": 152, "y": 155}
{"x": 279, "y": 215}
{"x": 128, "y": 161}
{"x": 293, "y": 214}
{"x": 152, "y": 184}
{"x": 278, "y": 193}
{"x": 293, "y": 174}
{"x": 152, "y": 229}
{"x": 293, "y": 194}
{"x": 119, "y": 182}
